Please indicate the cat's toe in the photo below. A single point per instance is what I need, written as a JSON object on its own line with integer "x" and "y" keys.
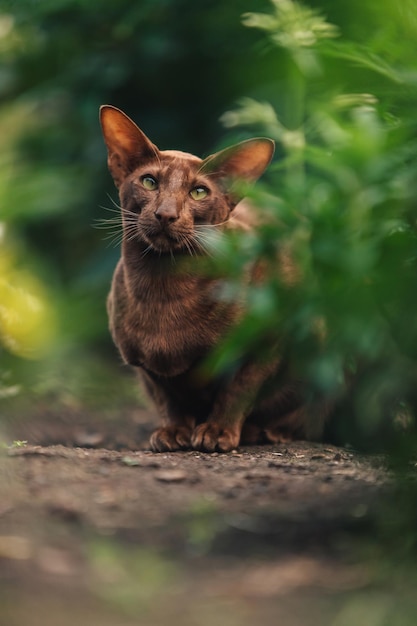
{"x": 212, "y": 437}
{"x": 170, "y": 439}
{"x": 274, "y": 435}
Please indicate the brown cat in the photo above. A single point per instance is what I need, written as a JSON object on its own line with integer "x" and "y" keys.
{"x": 166, "y": 316}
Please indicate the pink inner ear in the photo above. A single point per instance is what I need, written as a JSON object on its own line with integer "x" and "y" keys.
{"x": 247, "y": 160}
{"x": 127, "y": 145}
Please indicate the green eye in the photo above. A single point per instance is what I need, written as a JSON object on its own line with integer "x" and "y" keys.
{"x": 149, "y": 182}
{"x": 198, "y": 193}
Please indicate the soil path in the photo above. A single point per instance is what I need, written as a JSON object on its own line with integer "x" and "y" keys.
{"x": 93, "y": 536}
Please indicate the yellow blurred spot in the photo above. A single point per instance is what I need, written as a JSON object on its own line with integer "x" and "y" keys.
{"x": 26, "y": 318}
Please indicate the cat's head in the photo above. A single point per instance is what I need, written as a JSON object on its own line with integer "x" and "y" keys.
{"x": 168, "y": 196}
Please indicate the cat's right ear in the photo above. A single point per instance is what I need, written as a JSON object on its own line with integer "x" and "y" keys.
{"x": 244, "y": 161}
{"x": 127, "y": 145}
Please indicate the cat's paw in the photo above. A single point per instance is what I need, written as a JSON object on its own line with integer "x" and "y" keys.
{"x": 275, "y": 435}
{"x": 211, "y": 437}
{"x": 170, "y": 439}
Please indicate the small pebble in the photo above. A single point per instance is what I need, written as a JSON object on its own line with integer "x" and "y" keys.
{"x": 86, "y": 439}
{"x": 171, "y": 476}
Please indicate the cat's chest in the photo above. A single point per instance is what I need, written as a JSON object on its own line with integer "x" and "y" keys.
{"x": 173, "y": 328}
{"x": 179, "y": 319}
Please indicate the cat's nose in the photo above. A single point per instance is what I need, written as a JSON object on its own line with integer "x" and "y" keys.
{"x": 166, "y": 213}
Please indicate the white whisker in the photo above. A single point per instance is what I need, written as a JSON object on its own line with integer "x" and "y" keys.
{"x": 208, "y": 239}
{"x": 113, "y": 201}
{"x": 186, "y": 241}
{"x": 121, "y": 227}
{"x": 107, "y": 224}
{"x": 146, "y": 251}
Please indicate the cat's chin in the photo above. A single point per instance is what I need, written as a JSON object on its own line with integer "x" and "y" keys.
{"x": 163, "y": 244}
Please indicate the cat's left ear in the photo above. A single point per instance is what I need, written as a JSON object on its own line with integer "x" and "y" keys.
{"x": 245, "y": 161}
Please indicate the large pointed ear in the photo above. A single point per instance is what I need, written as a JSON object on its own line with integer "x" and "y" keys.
{"x": 245, "y": 161}
{"x": 127, "y": 145}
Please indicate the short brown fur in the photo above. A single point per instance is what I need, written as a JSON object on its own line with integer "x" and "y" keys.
{"x": 166, "y": 316}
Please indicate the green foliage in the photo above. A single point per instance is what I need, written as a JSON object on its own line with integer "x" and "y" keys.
{"x": 341, "y": 205}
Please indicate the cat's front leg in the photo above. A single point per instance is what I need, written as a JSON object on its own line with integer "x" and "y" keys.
{"x": 222, "y": 431}
{"x": 178, "y": 424}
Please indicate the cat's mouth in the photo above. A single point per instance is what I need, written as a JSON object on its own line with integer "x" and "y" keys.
{"x": 200, "y": 239}
{"x": 167, "y": 241}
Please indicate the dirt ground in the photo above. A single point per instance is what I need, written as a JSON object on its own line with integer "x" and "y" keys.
{"x": 97, "y": 530}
